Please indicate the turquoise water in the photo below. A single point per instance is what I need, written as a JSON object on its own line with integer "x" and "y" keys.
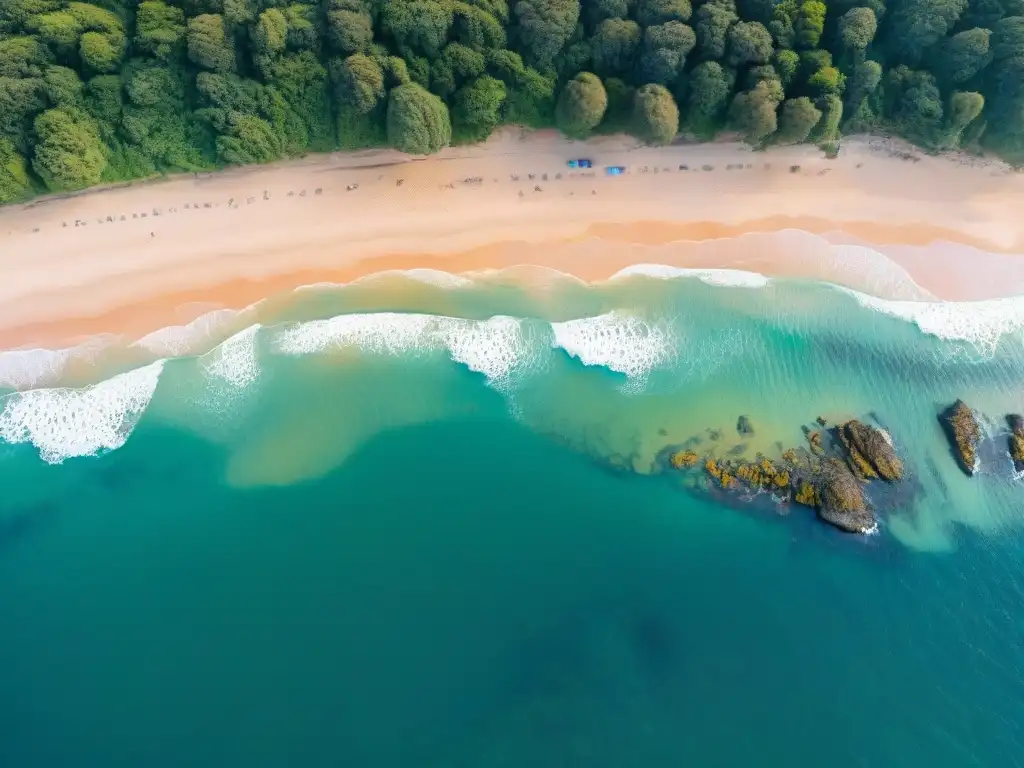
{"x": 436, "y": 537}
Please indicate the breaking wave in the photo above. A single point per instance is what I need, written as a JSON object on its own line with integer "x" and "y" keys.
{"x": 617, "y": 341}
{"x": 63, "y": 423}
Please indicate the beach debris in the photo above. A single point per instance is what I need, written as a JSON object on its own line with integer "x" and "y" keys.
{"x": 1016, "y": 423}
{"x": 520, "y": 193}
{"x": 743, "y": 425}
{"x": 318, "y": 191}
{"x": 707, "y": 167}
{"x": 291, "y": 193}
{"x": 869, "y": 452}
{"x": 514, "y": 177}
{"x": 794, "y": 169}
{"x": 531, "y": 176}
{"x": 684, "y": 167}
{"x": 351, "y": 187}
{"x": 266, "y": 194}
{"x": 399, "y": 182}
{"x": 964, "y": 433}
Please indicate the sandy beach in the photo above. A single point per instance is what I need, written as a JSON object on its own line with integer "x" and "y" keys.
{"x": 134, "y": 259}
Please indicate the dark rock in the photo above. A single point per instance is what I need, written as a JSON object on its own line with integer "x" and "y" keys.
{"x": 841, "y": 499}
{"x": 1016, "y": 423}
{"x": 743, "y": 426}
{"x": 738, "y": 450}
{"x": 869, "y": 452}
{"x": 964, "y": 433}
{"x": 821, "y": 421}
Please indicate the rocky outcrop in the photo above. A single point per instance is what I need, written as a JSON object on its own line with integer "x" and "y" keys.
{"x": 1016, "y": 423}
{"x": 964, "y": 433}
{"x": 683, "y": 459}
{"x": 744, "y": 427}
{"x": 841, "y": 500}
{"x": 869, "y": 452}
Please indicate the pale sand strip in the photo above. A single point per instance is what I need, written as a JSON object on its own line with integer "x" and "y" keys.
{"x": 133, "y": 276}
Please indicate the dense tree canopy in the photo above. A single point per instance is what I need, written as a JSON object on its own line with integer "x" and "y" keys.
{"x": 121, "y": 89}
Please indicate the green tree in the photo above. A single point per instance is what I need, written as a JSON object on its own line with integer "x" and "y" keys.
{"x": 68, "y": 153}
{"x": 456, "y": 65}
{"x": 271, "y": 33}
{"x": 799, "y": 116}
{"x": 209, "y": 45}
{"x": 916, "y": 25}
{"x": 159, "y": 30}
{"x": 544, "y": 26}
{"x": 856, "y": 30}
{"x": 476, "y": 108}
{"x": 350, "y": 31}
{"x": 749, "y": 43}
{"x": 59, "y": 30}
{"x": 614, "y": 45}
{"x": 597, "y": 11}
{"x": 358, "y": 82}
{"x": 862, "y": 83}
{"x": 64, "y": 88}
{"x": 713, "y": 20}
{"x": 14, "y": 181}
{"x": 23, "y": 57}
{"x": 787, "y": 64}
{"x": 665, "y": 49}
{"x": 581, "y": 105}
{"x": 964, "y": 55}
{"x": 651, "y": 12}
{"x": 827, "y": 80}
{"x": 417, "y": 120}
{"x": 418, "y": 27}
{"x": 964, "y": 107}
{"x": 655, "y": 115}
{"x": 782, "y": 22}
{"x": 827, "y": 129}
{"x": 1008, "y": 38}
{"x": 752, "y": 113}
{"x": 915, "y": 103}
{"x": 20, "y": 100}
{"x": 710, "y": 88}
{"x": 809, "y": 24}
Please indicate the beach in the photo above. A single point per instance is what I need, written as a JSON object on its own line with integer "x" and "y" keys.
{"x": 132, "y": 260}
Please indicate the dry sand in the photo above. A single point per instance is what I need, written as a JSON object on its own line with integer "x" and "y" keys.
{"x": 134, "y": 259}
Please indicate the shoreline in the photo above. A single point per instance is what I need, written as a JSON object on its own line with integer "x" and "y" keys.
{"x": 162, "y": 253}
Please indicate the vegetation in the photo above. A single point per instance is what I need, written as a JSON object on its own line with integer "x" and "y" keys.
{"x": 120, "y": 89}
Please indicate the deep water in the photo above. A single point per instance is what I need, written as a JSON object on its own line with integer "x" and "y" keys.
{"x": 435, "y": 539}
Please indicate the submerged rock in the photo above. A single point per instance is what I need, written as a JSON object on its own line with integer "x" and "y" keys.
{"x": 964, "y": 433}
{"x": 841, "y": 499}
{"x": 743, "y": 426}
{"x": 1016, "y": 423}
{"x": 869, "y": 452}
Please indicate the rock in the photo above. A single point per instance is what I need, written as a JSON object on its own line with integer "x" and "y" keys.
{"x": 806, "y": 494}
{"x": 683, "y": 459}
{"x": 1016, "y": 423}
{"x": 821, "y": 421}
{"x": 870, "y": 452}
{"x": 720, "y": 472}
{"x": 841, "y": 500}
{"x": 964, "y": 433}
{"x": 744, "y": 427}
{"x": 814, "y": 440}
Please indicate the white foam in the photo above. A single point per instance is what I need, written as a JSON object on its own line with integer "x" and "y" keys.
{"x": 981, "y": 323}
{"x": 178, "y": 340}
{"x": 726, "y": 278}
{"x": 29, "y": 368}
{"x": 234, "y": 360}
{"x": 63, "y": 422}
{"x": 493, "y": 347}
{"x": 618, "y": 341}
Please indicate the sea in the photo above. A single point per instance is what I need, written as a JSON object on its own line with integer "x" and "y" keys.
{"x": 420, "y": 520}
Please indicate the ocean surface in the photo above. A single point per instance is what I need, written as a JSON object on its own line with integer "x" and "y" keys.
{"x": 420, "y": 520}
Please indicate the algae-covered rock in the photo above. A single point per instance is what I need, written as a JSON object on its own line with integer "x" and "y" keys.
{"x": 964, "y": 433}
{"x": 814, "y": 441}
{"x": 841, "y": 499}
{"x": 683, "y": 459}
{"x": 1016, "y": 423}
{"x": 870, "y": 452}
{"x": 806, "y": 494}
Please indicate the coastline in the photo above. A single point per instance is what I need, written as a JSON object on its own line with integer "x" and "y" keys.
{"x": 187, "y": 246}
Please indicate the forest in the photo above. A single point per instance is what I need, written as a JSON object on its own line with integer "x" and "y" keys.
{"x": 114, "y": 90}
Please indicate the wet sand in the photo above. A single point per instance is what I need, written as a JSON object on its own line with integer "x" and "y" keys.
{"x": 134, "y": 259}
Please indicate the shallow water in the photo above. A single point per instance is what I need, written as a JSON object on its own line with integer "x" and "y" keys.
{"x": 433, "y": 535}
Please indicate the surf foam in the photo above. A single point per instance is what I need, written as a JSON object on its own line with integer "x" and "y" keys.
{"x": 63, "y": 423}
{"x": 725, "y": 278}
{"x": 234, "y": 360}
{"x": 178, "y": 340}
{"x": 981, "y": 323}
{"x": 615, "y": 340}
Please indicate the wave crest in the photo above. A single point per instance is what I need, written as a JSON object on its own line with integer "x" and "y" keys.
{"x": 63, "y": 423}
{"x": 615, "y": 340}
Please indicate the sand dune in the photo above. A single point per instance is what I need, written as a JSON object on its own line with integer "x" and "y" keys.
{"x": 134, "y": 259}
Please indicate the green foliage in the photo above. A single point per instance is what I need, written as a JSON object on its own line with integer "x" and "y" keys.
{"x": 665, "y": 49}
{"x": 417, "y": 121}
{"x": 809, "y": 24}
{"x": 710, "y": 88}
{"x": 787, "y": 64}
{"x": 799, "y": 116}
{"x": 159, "y": 30}
{"x": 916, "y": 25}
{"x": 14, "y": 180}
{"x": 209, "y": 45}
{"x": 477, "y": 109}
{"x": 964, "y": 55}
{"x": 544, "y": 26}
{"x": 655, "y": 115}
{"x": 358, "y": 82}
{"x": 614, "y": 45}
{"x": 862, "y": 83}
{"x": 749, "y": 43}
{"x": 857, "y": 28}
{"x": 914, "y": 103}
{"x": 713, "y": 20}
{"x": 581, "y": 105}
{"x": 651, "y": 12}
{"x": 752, "y": 112}
{"x": 68, "y": 153}
{"x": 271, "y": 33}
{"x": 827, "y": 80}
{"x": 964, "y": 108}
{"x": 63, "y": 87}
{"x": 827, "y": 129}
{"x": 349, "y": 31}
